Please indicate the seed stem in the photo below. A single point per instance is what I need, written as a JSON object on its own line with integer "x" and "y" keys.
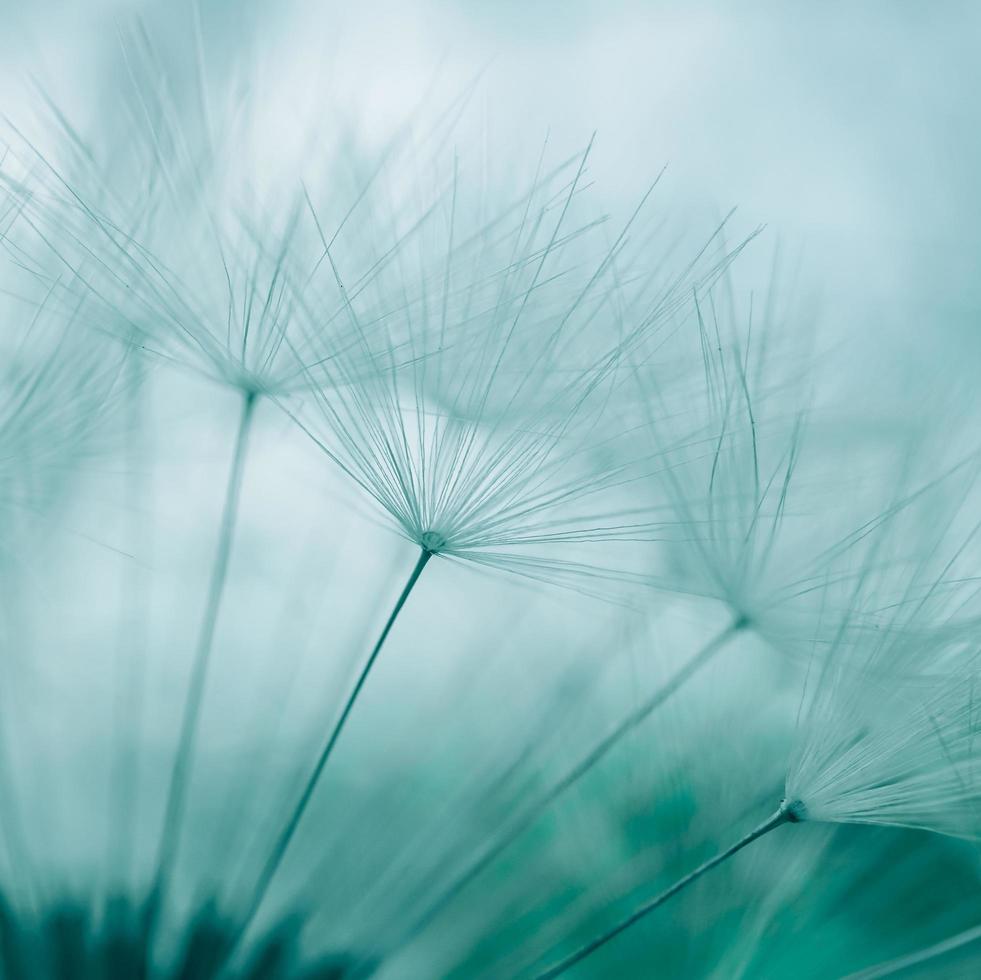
{"x": 592, "y": 758}
{"x": 903, "y": 963}
{"x": 129, "y": 693}
{"x": 784, "y": 814}
{"x": 275, "y": 858}
{"x": 181, "y": 773}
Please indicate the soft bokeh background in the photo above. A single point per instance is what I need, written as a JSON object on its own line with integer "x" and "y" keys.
{"x": 853, "y": 132}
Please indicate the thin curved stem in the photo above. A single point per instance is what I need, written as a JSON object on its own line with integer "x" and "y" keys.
{"x": 592, "y": 758}
{"x": 783, "y": 815}
{"x": 129, "y": 695}
{"x": 901, "y": 963}
{"x": 12, "y": 828}
{"x": 275, "y": 858}
{"x": 181, "y": 772}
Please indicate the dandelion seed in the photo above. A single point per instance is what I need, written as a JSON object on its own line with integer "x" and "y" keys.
{"x": 731, "y": 483}
{"x": 476, "y": 487}
{"x": 208, "y": 272}
{"x": 725, "y": 554}
{"x": 457, "y": 484}
{"x": 888, "y": 729}
{"x": 58, "y": 390}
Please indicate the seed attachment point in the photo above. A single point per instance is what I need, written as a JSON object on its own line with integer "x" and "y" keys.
{"x": 794, "y": 811}
{"x": 433, "y": 542}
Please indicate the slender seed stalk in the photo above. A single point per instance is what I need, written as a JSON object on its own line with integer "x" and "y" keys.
{"x": 903, "y": 963}
{"x": 12, "y": 831}
{"x": 278, "y": 852}
{"x": 181, "y": 773}
{"x": 129, "y": 694}
{"x": 786, "y": 813}
{"x": 592, "y": 758}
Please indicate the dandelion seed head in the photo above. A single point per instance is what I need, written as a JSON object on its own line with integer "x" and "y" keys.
{"x": 888, "y": 725}
{"x": 57, "y": 387}
{"x": 731, "y": 444}
{"x": 486, "y": 417}
{"x": 177, "y": 243}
